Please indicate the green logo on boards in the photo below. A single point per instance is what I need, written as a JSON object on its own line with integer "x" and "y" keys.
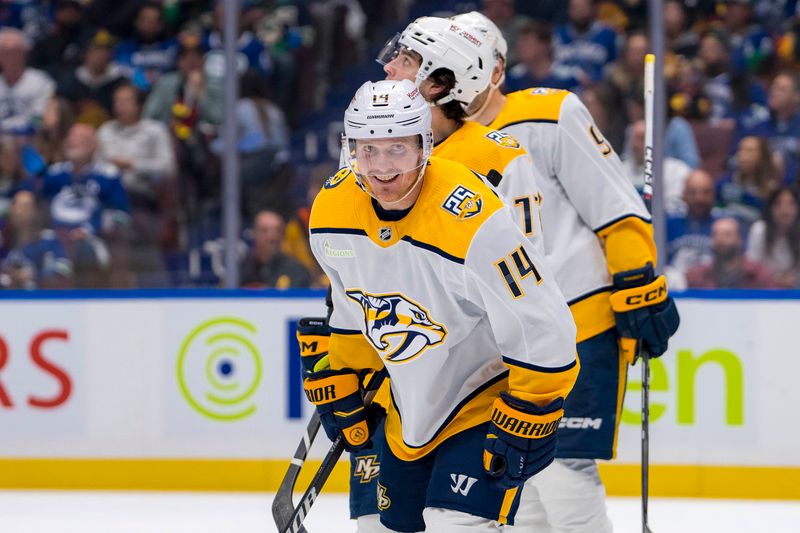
{"x": 219, "y": 368}
{"x": 724, "y": 363}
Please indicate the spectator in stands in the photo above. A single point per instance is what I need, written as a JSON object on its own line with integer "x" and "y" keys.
{"x": 90, "y": 86}
{"x": 57, "y": 119}
{"x": 89, "y": 209}
{"x": 674, "y": 172}
{"x": 504, "y": 14}
{"x": 775, "y": 240}
{"x": 627, "y": 72}
{"x": 249, "y": 45}
{"x": 584, "y": 42}
{"x": 263, "y": 143}
{"x": 689, "y": 236}
{"x": 744, "y": 190}
{"x": 150, "y": 53}
{"x": 182, "y": 100}
{"x": 266, "y": 265}
{"x": 680, "y": 39}
{"x": 34, "y": 258}
{"x": 24, "y": 91}
{"x": 60, "y": 48}
{"x": 752, "y": 48}
{"x": 714, "y": 55}
{"x": 142, "y": 150}
{"x": 12, "y": 173}
{"x": 729, "y": 268}
{"x": 536, "y": 67}
{"x": 783, "y": 128}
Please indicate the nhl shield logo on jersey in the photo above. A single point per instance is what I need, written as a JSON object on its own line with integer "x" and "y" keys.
{"x": 337, "y": 178}
{"x": 506, "y": 140}
{"x": 463, "y": 203}
{"x": 399, "y": 328}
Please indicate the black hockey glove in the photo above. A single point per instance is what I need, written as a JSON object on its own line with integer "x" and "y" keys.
{"x": 644, "y": 311}
{"x": 521, "y": 441}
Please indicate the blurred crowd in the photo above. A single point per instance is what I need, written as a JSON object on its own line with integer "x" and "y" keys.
{"x": 111, "y": 114}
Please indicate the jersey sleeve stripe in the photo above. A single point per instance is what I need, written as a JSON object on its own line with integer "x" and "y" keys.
{"x": 344, "y": 231}
{"x": 536, "y": 120}
{"x": 537, "y": 368}
{"x": 619, "y": 219}
{"x": 434, "y": 249}
{"x": 589, "y": 294}
{"x": 340, "y": 331}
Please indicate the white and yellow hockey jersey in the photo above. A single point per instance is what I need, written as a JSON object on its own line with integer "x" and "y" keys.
{"x": 593, "y": 220}
{"x": 452, "y": 299}
{"x": 502, "y": 162}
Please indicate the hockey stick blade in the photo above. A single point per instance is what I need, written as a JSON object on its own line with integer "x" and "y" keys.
{"x": 288, "y": 517}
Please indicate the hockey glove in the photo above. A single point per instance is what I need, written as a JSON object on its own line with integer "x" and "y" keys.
{"x": 313, "y": 335}
{"x": 340, "y": 403}
{"x": 644, "y": 311}
{"x": 521, "y": 440}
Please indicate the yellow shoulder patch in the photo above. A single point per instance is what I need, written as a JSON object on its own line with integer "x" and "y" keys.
{"x": 334, "y": 206}
{"x": 480, "y": 149}
{"x": 539, "y": 104}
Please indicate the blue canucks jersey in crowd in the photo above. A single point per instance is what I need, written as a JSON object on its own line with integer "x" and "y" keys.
{"x": 590, "y": 51}
{"x": 81, "y": 200}
{"x": 252, "y": 54}
{"x": 45, "y": 257}
{"x": 688, "y": 241}
{"x": 143, "y": 63}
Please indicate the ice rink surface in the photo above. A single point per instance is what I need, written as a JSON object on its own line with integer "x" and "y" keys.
{"x": 167, "y": 512}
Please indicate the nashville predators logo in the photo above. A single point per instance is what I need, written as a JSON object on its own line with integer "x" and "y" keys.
{"x": 337, "y": 178}
{"x": 367, "y": 468}
{"x": 506, "y": 140}
{"x": 399, "y": 328}
{"x": 463, "y": 203}
{"x": 383, "y": 499}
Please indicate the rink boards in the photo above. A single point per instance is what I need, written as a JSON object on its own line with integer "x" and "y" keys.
{"x": 201, "y": 390}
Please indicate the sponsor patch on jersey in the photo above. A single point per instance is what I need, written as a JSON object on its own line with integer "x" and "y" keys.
{"x": 399, "y": 328}
{"x": 463, "y": 203}
{"x": 506, "y": 140}
{"x": 337, "y": 178}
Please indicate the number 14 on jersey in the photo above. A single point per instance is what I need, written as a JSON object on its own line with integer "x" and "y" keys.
{"x": 522, "y": 268}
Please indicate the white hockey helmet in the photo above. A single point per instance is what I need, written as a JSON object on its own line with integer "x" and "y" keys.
{"x": 386, "y": 109}
{"x": 482, "y": 23}
{"x": 444, "y": 43}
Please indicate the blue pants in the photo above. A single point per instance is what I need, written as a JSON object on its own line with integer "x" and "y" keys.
{"x": 587, "y": 430}
{"x": 450, "y": 477}
{"x": 590, "y": 422}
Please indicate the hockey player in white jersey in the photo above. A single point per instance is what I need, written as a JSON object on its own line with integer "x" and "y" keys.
{"x": 432, "y": 278}
{"x": 598, "y": 240}
{"x": 418, "y": 55}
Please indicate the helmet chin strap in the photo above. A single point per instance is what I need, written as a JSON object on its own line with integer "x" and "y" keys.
{"x": 408, "y": 192}
{"x": 492, "y": 88}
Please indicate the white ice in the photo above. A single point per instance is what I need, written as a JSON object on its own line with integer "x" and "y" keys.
{"x": 170, "y": 512}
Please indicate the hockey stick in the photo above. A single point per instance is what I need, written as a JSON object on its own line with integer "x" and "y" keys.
{"x": 288, "y": 517}
{"x": 649, "y": 88}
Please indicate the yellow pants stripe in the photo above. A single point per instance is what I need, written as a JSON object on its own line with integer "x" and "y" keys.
{"x": 505, "y": 507}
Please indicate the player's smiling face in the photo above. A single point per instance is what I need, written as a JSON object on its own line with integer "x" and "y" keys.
{"x": 403, "y": 67}
{"x": 390, "y": 168}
